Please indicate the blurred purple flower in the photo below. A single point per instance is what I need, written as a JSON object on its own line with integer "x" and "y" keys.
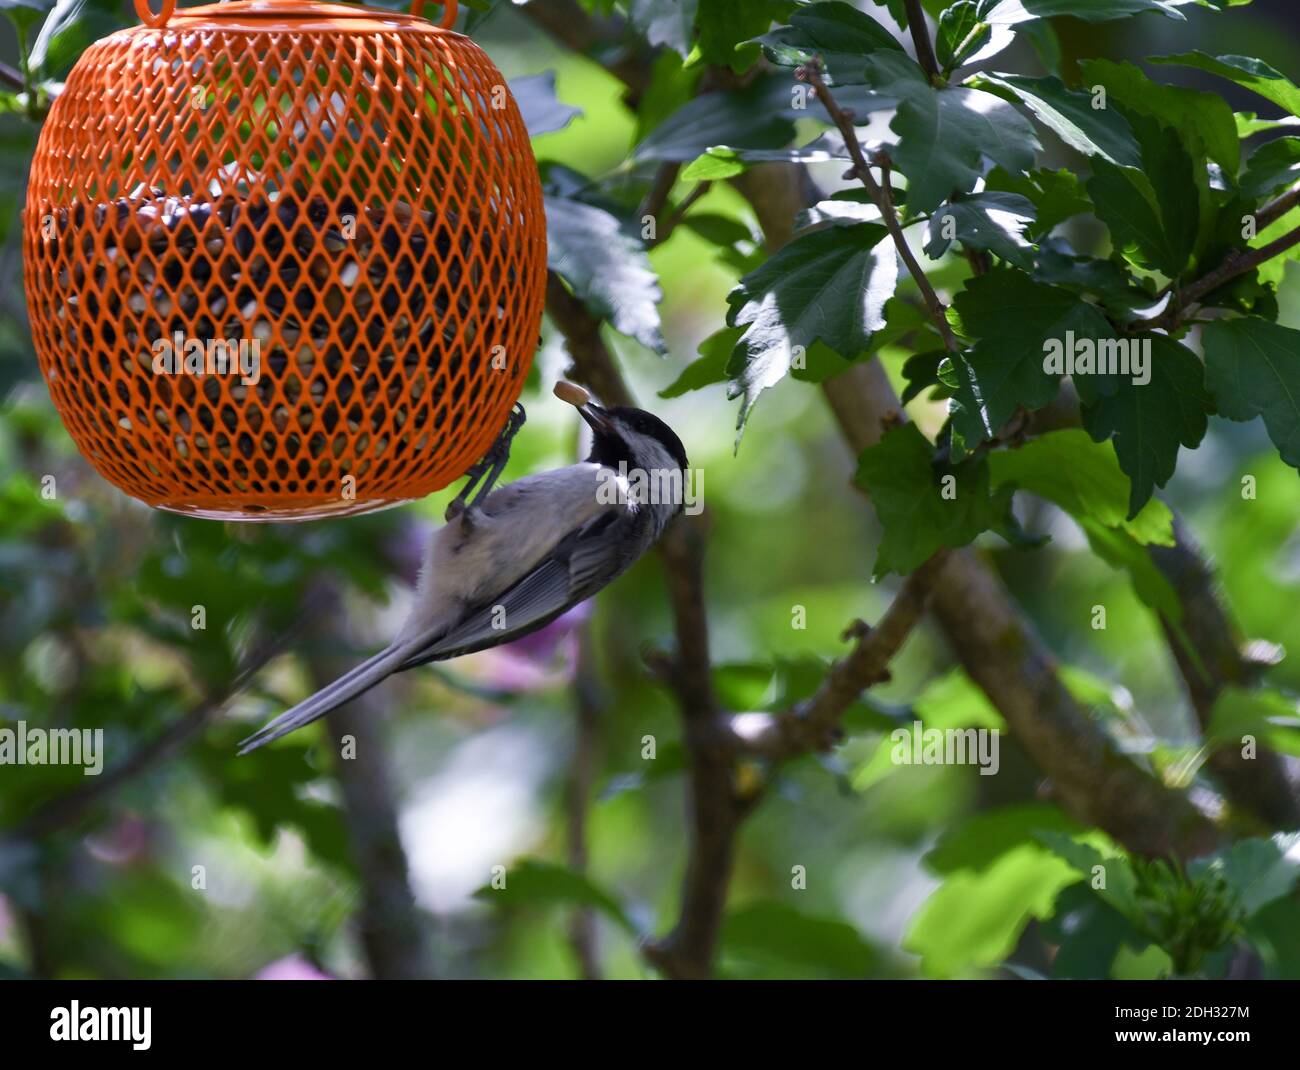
{"x": 291, "y": 968}
{"x": 404, "y": 548}
{"x": 123, "y": 842}
{"x": 542, "y": 644}
{"x": 529, "y": 663}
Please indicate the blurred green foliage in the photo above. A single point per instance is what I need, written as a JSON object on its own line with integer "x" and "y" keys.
{"x": 906, "y": 871}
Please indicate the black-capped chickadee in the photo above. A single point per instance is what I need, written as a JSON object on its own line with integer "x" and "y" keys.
{"x": 514, "y": 559}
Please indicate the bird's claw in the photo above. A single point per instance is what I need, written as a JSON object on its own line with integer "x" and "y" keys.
{"x": 491, "y": 466}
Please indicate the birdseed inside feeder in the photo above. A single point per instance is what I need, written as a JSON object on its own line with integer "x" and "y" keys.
{"x": 284, "y": 259}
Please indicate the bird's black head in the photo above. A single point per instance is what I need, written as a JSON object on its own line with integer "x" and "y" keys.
{"x": 622, "y": 433}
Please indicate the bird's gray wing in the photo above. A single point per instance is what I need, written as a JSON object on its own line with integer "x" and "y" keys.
{"x": 582, "y": 563}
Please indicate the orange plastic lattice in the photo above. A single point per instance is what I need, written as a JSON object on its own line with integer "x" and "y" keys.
{"x": 348, "y": 194}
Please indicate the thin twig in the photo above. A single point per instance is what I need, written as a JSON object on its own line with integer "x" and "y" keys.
{"x": 1277, "y": 208}
{"x": 66, "y": 810}
{"x": 660, "y": 189}
{"x": 921, "y": 40}
{"x": 882, "y": 194}
{"x": 1235, "y": 264}
{"x": 815, "y": 724}
{"x": 662, "y": 234}
{"x": 12, "y": 78}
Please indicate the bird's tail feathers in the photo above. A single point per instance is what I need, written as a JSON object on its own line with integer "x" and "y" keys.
{"x": 330, "y": 697}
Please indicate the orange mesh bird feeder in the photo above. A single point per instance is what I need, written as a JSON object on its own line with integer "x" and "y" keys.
{"x": 284, "y": 259}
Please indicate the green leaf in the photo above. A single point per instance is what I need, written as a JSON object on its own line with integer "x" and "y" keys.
{"x": 542, "y": 111}
{"x": 829, "y": 285}
{"x": 918, "y": 516}
{"x": 944, "y": 133}
{"x": 720, "y": 162}
{"x": 1084, "y": 479}
{"x": 974, "y": 919}
{"x": 837, "y": 32}
{"x": 1147, "y": 211}
{"x": 976, "y": 842}
{"x": 1275, "y": 934}
{"x": 1013, "y": 12}
{"x": 1252, "y": 368}
{"x": 1272, "y": 166}
{"x": 952, "y": 701}
{"x": 964, "y": 37}
{"x": 1250, "y": 124}
{"x": 1254, "y": 74}
{"x": 1121, "y": 886}
{"x": 922, "y": 372}
{"x": 711, "y": 368}
{"x": 1206, "y": 117}
{"x": 665, "y": 22}
{"x": 25, "y": 14}
{"x": 1258, "y": 871}
{"x": 725, "y": 26}
{"x": 1070, "y": 114}
{"x": 1089, "y": 934}
{"x": 1056, "y": 196}
{"x": 606, "y": 267}
{"x": 531, "y": 882}
{"x": 1151, "y": 420}
{"x": 1014, "y": 318}
{"x": 744, "y": 119}
{"x": 992, "y": 221}
{"x": 1046, "y": 43}
{"x": 1121, "y": 551}
{"x": 772, "y": 939}
{"x": 723, "y": 161}
{"x": 1117, "y": 289}
{"x": 1270, "y": 716}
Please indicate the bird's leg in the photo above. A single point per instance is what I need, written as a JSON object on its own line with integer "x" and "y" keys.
{"x": 491, "y": 466}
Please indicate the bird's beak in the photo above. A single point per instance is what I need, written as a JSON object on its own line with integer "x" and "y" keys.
{"x": 596, "y": 417}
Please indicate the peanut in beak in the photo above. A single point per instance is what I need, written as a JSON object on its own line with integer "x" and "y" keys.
{"x": 572, "y": 393}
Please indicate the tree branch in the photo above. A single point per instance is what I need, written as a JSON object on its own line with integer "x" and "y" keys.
{"x": 392, "y": 933}
{"x": 1005, "y": 658}
{"x": 713, "y": 809}
{"x": 814, "y": 724}
{"x": 716, "y": 807}
{"x": 1233, "y": 265}
{"x": 921, "y": 40}
{"x": 1277, "y": 208}
{"x": 587, "y": 705}
{"x": 1219, "y": 658}
{"x": 389, "y": 923}
{"x": 989, "y": 635}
